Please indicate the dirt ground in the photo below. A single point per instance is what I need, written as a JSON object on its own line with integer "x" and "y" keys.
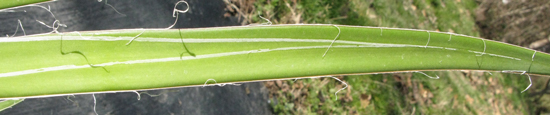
{"x": 520, "y": 22}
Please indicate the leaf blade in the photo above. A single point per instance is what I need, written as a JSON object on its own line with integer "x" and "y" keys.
{"x": 243, "y": 54}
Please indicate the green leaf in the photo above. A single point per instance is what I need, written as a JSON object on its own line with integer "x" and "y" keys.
{"x": 5, "y": 4}
{"x": 101, "y": 61}
{"x": 9, "y": 103}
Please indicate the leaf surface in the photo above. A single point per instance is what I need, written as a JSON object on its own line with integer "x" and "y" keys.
{"x": 33, "y": 66}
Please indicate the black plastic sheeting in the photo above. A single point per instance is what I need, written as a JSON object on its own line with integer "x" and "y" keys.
{"x": 81, "y": 15}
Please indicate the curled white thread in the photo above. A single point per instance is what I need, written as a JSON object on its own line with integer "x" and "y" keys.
{"x": 429, "y": 36}
{"x": 436, "y": 76}
{"x": 55, "y": 25}
{"x": 16, "y": 29}
{"x": 450, "y": 34}
{"x": 333, "y": 40}
{"x": 484, "y": 47}
{"x": 59, "y": 24}
{"x": 138, "y": 95}
{"x": 44, "y": 23}
{"x": 205, "y": 83}
{"x": 533, "y": 57}
{"x": 93, "y": 95}
{"x": 175, "y": 12}
{"x": 180, "y": 11}
{"x": 20, "y": 25}
{"x": 68, "y": 98}
{"x": 335, "y": 94}
{"x": 135, "y": 37}
{"x": 216, "y": 83}
{"x": 530, "y": 82}
{"x": 112, "y": 7}
{"x": 268, "y": 22}
{"x": 47, "y": 9}
{"x": 150, "y": 95}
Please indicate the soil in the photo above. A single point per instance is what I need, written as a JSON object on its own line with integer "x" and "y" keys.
{"x": 523, "y": 23}
{"x": 519, "y": 22}
{"x": 81, "y": 15}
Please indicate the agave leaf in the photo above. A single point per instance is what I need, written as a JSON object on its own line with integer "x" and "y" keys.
{"x": 9, "y": 103}
{"x": 7, "y": 4}
{"x": 142, "y": 59}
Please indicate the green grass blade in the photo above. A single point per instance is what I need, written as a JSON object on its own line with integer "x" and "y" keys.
{"x": 33, "y": 66}
{"x": 9, "y": 103}
{"x": 5, "y": 4}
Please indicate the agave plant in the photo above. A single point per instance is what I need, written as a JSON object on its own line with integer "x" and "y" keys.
{"x": 129, "y": 60}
